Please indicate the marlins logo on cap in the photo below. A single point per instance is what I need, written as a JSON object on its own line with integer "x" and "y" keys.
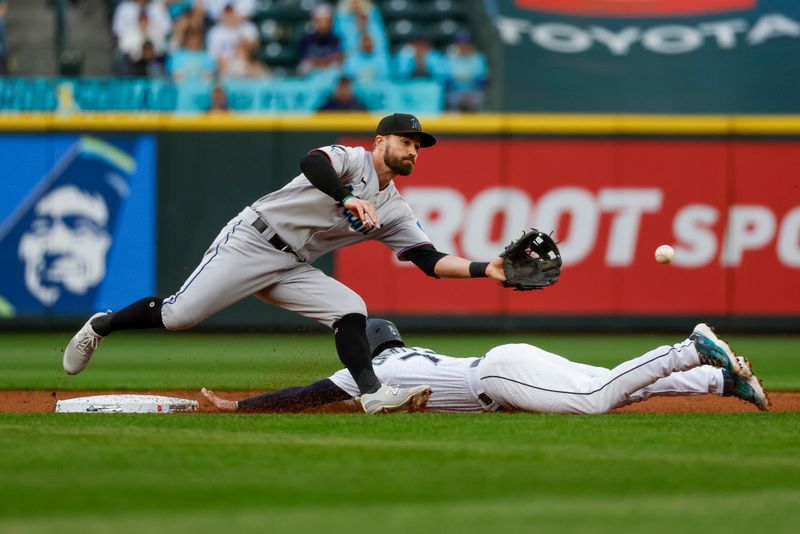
{"x": 404, "y": 124}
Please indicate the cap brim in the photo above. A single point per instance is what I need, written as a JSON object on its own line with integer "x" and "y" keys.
{"x": 425, "y": 139}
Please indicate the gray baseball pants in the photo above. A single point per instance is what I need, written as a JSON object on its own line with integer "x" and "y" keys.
{"x": 242, "y": 262}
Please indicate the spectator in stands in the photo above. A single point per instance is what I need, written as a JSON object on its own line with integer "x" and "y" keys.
{"x": 190, "y": 19}
{"x": 466, "y": 74}
{"x": 128, "y": 14}
{"x": 227, "y": 34}
{"x": 320, "y": 49}
{"x": 191, "y": 62}
{"x": 176, "y": 8}
{"x": 150, "y": 64}
{"x": 132, "y": 40}
{"x": 355, "y": 18}
{"x": 343, "y": 98}
{"x": 419, "y": 59}
{"x": 244, "y": 64}
{"x": 219, "y": 100}
{"x": 244, "y": 9}
{"x": 3, "y": 64}
{"x": 366, "y": 64}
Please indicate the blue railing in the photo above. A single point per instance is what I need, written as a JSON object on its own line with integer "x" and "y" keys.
{"x": 287, "y": 95}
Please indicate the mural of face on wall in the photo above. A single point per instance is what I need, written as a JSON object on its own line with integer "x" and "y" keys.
{"x": 66, "y": 245}
{"x": 57, "y": 246}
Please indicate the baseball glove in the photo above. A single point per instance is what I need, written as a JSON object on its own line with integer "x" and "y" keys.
{"x": 531, "y": 262}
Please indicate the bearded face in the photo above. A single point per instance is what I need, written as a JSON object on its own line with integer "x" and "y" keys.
{"x": 400, "y": 154}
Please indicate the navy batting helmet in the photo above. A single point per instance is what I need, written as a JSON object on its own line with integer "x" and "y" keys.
{"x": 381, "y": 335}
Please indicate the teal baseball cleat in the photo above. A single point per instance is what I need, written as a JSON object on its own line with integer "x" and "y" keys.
{"x": 714, "y": 351}
{"x": 750, "y": 390}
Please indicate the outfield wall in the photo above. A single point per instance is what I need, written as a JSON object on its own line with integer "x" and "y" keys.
{"x": 722, "y": 189}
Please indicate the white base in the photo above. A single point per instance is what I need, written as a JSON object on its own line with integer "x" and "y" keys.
{"x": 126, "y": 404}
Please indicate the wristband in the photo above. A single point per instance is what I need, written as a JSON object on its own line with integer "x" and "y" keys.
{"x": 477, "y": 269}
{"x": 348, "y": 196}
{"x": 342, "y": 193}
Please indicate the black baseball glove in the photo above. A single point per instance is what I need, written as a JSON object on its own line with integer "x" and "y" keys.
{"x": 531, "y": 262}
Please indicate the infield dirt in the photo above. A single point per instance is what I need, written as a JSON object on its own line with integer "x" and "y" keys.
{"x": 22, "y": 401}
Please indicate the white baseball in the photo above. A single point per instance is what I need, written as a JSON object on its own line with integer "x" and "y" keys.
{"x": 664, "y": 254}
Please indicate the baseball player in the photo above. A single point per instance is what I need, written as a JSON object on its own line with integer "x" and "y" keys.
{"x": 344, "y": 195}
{"x": 527, "y": 378}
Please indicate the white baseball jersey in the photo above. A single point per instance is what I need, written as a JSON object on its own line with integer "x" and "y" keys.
{"x": 524, "y": 377}
{"x": 313, "y": 224}
{"x": 451, "y": 379}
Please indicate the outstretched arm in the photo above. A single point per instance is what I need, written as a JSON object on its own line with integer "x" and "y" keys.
{"x": 293, "y": 399}
{"x": 441, "y": 265}
{"x": 457, "y": 267}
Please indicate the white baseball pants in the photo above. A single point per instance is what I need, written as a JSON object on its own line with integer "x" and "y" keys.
{"x": 528, "y": 378}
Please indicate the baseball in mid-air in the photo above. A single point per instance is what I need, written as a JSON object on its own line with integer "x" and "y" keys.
{"x": 664, "y": 254}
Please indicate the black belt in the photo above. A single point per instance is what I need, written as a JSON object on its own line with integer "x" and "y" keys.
{"x": 275, "y": 240}
{"x": 485, "y": 399}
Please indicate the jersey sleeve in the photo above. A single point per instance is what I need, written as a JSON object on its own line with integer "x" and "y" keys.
{"x": 404, "y": 236}
{"x": 295, "y": 399}
{"x": 344, "y": 159}
{"x": 344, "y": 381}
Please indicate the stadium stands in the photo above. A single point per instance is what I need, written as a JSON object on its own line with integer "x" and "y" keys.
{"x": 3, "y": 9}
{"x": 378, "y": 45}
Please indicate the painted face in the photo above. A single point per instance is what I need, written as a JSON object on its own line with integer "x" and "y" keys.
{"x": 65, "y": 248}
{"x": 400, "y": 154}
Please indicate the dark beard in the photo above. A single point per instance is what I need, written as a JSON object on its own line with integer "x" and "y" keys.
{"x": 397, "y": 165}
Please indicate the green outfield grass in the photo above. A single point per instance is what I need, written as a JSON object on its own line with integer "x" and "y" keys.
{"x": 398, "y": 473}
{"x": 252, "y": 361}
{"x": 442, "y": 472}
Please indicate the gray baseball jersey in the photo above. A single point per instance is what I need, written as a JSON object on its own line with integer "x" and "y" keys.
{"x": 243, "y": 260}
{"x": 525, "y": 377}
{"x": 313, "y": 224}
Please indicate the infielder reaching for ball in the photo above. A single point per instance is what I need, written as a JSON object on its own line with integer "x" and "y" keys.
{"x": 345, "y": 195}
{"x": 524, "y": 377}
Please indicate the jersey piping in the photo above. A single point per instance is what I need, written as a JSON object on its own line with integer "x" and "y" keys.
{"x": 507, "y": 379}
{"x": 216, "y": 252}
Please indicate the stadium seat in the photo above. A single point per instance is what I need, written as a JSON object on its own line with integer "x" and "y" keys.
{"x": 269, "y": 30}
{"x": 444, "y": 9}
{"x": 272, "y": 30}
{"x": 276, "y": 54}
{"x": 393, "y": 10}
{"x": 442, "y": 33}
{"x": 402, "y": 31}
{"x": 286, "y": 10}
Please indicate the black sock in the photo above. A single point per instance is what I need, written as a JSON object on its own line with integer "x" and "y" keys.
{"x": 728, "y": 383}
{"x": 353, "y": 349}
{"x": 144, "y": 313}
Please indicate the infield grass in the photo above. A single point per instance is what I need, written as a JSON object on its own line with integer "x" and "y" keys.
{"x": 442, "y": 472}
{"x": 153, "y": 360}
{"x": 349, "y": 472}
